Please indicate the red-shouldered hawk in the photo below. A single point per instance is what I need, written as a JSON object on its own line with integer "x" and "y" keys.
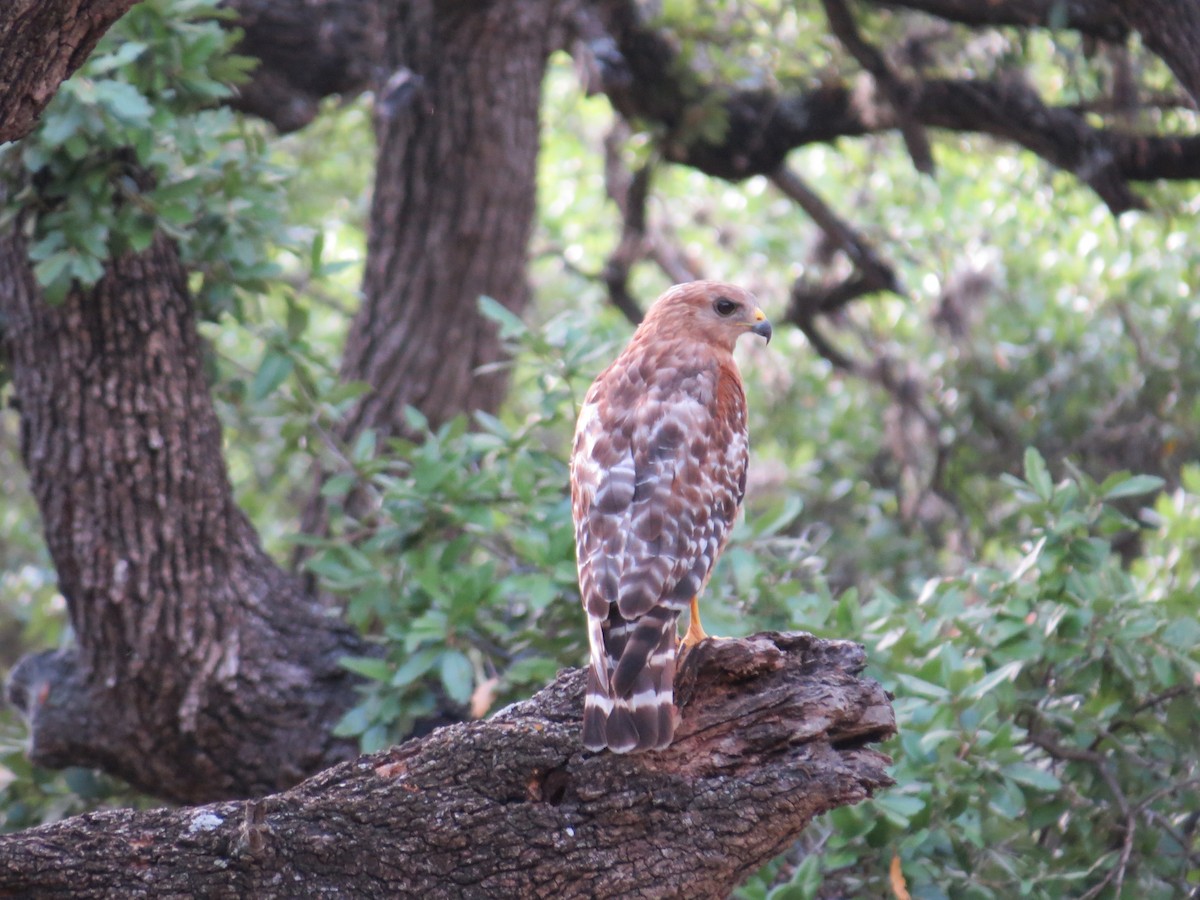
{"x": 658, "y": 472}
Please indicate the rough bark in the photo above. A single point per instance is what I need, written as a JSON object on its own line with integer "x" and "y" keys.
{"x": 775, "y": 731}
{"x": 455, "y": 195}
{"x": 201, "y": 670}
{"x": 41, "y": 43}
{"x": 1171, "y": 28}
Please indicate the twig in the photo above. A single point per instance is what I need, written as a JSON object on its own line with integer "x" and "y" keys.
{"x": 1052, "y": 746}
{"x": 877, "y": 273}
{"x": 630, "y": 191}
{"x": 898, "y": 94}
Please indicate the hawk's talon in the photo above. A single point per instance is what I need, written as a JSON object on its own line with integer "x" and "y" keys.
{"x": 695, "y": 632}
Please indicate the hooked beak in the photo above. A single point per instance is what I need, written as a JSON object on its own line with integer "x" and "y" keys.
{"x": 763, "y": 327}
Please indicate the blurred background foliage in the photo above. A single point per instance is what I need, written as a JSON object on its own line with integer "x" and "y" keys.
{"x": 1014, "y": 535}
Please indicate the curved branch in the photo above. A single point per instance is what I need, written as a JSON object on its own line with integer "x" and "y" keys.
{"x": 306, "y": 51}
{"x": 1094, "y": 18}
{"x": 841, "y": 23}
{"x": 774, "y": 732}
{"x": 763, "y": 127}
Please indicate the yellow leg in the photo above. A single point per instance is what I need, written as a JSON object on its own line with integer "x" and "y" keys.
{"x": 695, "y": 633}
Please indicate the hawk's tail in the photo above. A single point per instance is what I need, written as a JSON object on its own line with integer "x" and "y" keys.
{"x": 636, "y": 709}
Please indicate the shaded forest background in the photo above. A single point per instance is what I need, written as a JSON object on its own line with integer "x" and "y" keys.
{"x": 974, "y": 435}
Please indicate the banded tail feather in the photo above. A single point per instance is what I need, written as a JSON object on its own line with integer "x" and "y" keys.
{"x": 629, "y": 705}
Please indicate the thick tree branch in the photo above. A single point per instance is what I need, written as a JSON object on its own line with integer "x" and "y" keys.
{"x": 763, "y": 127}
{"x": 1094, "y": 18}
{"x": 41, "y": 43}
{"x": 306, "y": 51}
{"x": 775, "y": 731}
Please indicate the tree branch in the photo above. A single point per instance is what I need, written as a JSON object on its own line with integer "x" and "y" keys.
{"x": 878, "y": 275}
{"x": 1171, "y": 28}
{"x": 841, "y": 23}
{"x": 1094, "y": 18}
{"x": 763, "y": 127}
{"x": 630, "y": 191}
{"x": 774, "y": 732}
{"x": 306, "y": 51}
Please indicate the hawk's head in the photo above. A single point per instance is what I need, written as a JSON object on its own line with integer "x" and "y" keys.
{"x": 708, "y": 311}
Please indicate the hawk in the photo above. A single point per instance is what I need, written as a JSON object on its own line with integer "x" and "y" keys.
{"x": 658, "y": 472}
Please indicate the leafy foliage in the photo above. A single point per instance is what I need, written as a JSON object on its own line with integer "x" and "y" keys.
{"x": 134, "y": 144}
{"x": 466, "y": 567}
{"x": 1045, "y": 695}
{"x": 1045, "y": 704}
{"x": 1039, "y": 632}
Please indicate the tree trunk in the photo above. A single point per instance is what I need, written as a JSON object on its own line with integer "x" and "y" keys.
{"x": 774, "y": 732}
{"x": 41, "y": 43}
{"x": 201, "y": 671}
{"x": 455, "y": 195}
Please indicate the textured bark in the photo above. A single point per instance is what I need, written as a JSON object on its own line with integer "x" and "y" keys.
{"x": 201, "y": 671}
{"x": 41, "y": 43}
{"x": 774, "y": 732}
{"x": 1171, "y": 28}
{"x": 455, "y": 195}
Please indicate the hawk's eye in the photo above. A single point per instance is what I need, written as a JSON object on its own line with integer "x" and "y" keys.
{"x": 724, "y": 306}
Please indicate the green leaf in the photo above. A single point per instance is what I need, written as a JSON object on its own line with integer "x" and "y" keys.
{"x": 368, "y": 666}
{"x": 534, "y": 670}
{"x": 1134, "y": 487}
{"x": 458, "y": 676}
{"x": 985, "y": 685}
{"x": 1183, "y": 634}
{"x": 415, "y": 419}
{"x": 510, "y": 323}
{"x": 899, "y": 808}
{"x": 922, "y": 688}
{"x": 355, "y": 722}
{"x": 414, "y": 667}
{"x": 1031, "y": 776}
{"x": 805, "y": 881}
{"x": 374, "y": 739}
{"x": 316, "y": 251}
{"x": 124, "y": 102}
{"x": 364, "y": 447}
{"x": 339, "y": 485}
{"x": 272, "y": 372}
{"x": 1037, "y": 476}
{"x": 124, "y": 54}
{"x": 53, "y": 269}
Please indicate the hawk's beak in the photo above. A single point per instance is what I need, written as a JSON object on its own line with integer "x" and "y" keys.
{"x": 763, "y": 328}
